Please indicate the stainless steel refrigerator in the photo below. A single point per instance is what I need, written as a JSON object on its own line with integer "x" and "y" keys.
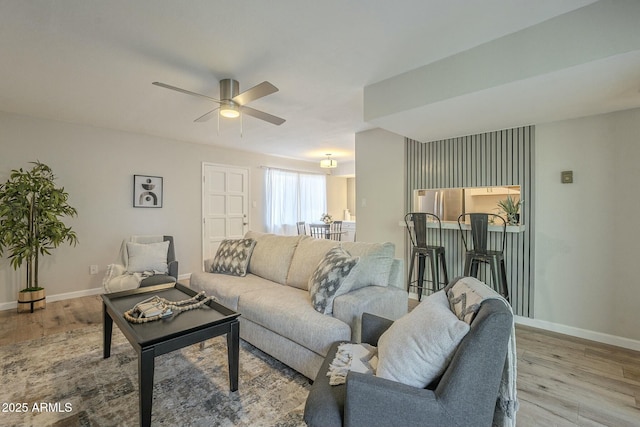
{"x": 447, "y": 203}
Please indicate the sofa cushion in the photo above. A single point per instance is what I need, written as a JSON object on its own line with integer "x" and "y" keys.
{"x": 333, "y": 277}
{"x": 306, "y": 258}
{"x": 375, "y": 262}
{"x": 147, "y": 257}
{"x": 287, "y": 311}
{"x": 228, "y": 289}
{"x": 272, "y": 255}
{"x": 233, "y": 257}
{"x": 417, "y": 348}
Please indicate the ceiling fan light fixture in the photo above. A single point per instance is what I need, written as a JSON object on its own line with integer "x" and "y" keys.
{"x": 229, "y": 111}
{"x": 328, "y": 163}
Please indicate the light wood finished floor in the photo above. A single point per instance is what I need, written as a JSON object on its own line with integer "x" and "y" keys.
{"x": 562, "y": 381}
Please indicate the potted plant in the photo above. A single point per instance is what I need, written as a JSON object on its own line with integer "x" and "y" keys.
{"x": 30, "y": 210}
{"x": 510, "y": 207}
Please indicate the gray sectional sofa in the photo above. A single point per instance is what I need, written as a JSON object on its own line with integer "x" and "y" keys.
{"x": 277, "y": 315}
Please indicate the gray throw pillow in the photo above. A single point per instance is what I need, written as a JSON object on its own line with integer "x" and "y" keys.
{"x": 417, "y": 348}
{"x": 331, "y": 279}
{"x": 233, "y": 257}
{"x": 147, "y": 257}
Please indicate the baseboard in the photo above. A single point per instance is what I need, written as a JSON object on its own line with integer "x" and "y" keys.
{"x": 69, "y": 295}
{"x": 57, "y": 297}
{"x": 579, "y": 333}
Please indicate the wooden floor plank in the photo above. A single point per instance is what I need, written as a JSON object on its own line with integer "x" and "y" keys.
{"x": 567, "y": 360}
{"x": 585, "y": 373}
{"x": 537, "y": 403}
{"x": 620, "y": 416}
{"x": 561, "y": 383}
{"x": 631, "y": 372}
{"x": 532, "y": 413}
{"x": 613, "y": 354}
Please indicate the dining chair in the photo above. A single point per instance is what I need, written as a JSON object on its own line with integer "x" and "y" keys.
{"x": 301, "y": 227}
{"x": 335, "y": 230}
{"x": 319, "y": 231}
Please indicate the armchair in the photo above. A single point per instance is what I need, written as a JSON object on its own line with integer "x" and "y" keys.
{"x": 172, "y": 267}
{"x": 466, "y": 393}
{"x": 122, "y": 275}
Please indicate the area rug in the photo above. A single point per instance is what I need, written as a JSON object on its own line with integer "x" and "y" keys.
{"x": 63, "y": 380}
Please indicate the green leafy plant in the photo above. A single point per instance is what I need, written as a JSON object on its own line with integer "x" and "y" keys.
{"x": 31, "y": 208}
{"x": 510, "y": 207}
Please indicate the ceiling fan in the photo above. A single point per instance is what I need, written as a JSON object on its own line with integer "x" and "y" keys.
{"x": 232, "y": 103}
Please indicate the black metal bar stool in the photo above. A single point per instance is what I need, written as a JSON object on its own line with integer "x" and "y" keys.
{"x": 480, "y": 252}
{"x": 416, "y": 223}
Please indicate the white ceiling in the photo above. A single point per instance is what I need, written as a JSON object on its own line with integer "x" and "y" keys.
{"x": 93, "y": 61}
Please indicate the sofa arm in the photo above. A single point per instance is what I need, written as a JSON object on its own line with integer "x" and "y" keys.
{"x": 373, "y": 327}
{"x": 374, "y": 401}
{"x": 389, "y": 302}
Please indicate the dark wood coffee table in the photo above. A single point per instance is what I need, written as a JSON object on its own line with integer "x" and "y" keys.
{"x": 162, "y": 336}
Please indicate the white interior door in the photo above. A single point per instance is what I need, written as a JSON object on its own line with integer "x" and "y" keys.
{"x": 225, "y": 205}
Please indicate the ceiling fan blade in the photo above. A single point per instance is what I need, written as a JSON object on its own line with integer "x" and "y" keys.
{"x": 263, "y": 116}
{"x": 206, "y": 116}
{"x": 258, "y": 91}
{"x": 188, "y": 92}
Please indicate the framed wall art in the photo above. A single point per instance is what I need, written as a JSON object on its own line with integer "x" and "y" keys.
{"x": 147, "y": 191}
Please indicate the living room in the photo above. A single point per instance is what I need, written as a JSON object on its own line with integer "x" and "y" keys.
{"x": 584, "y": 234}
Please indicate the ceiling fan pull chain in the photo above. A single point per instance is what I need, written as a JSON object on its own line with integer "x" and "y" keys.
{"x": 241, "y": 115}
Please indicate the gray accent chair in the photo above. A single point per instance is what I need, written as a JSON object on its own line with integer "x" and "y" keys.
{"x": 465, "y": 395}
{"x": 172, "y": 264}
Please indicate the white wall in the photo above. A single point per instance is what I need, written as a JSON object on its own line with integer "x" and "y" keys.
{"x": 586, "y": 232}
{"x": 351, "y": 197}
{"x": 336, "y": 196}
{"x": 96, "y": 167}
{"x": 380, "y": 183}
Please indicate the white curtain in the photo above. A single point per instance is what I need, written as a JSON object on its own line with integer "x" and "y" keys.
{"x": 292, "y": 197}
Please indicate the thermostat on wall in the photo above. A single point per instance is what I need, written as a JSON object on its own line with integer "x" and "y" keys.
{"x": 567, "y": 177}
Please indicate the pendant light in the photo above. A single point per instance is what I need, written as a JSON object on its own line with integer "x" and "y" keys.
{"x": 328, "y": 163}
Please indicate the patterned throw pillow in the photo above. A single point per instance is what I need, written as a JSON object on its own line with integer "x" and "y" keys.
{"x": 331, "y": 279}
{"x": 233, "y": 257}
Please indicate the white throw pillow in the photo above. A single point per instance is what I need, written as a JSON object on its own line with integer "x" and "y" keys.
{"x": 417, "y": 348}
{"x": 147, "y": 257}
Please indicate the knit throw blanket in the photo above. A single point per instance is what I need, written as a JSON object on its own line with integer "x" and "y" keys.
{"x": 352, "y": 357}
{"x": 465, "y": 297}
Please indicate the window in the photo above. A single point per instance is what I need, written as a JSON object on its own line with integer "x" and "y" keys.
{"x": 292, "y": 197}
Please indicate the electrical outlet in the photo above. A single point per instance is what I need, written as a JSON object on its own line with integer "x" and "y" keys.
{"x": 93, "y": 269}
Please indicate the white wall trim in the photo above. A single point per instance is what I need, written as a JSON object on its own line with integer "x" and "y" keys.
{"x": 579, "y": 333}
{"x": 70, "y": 295}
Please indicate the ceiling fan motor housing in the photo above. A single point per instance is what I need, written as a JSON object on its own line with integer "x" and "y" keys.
{"x": 228, "y": 89}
